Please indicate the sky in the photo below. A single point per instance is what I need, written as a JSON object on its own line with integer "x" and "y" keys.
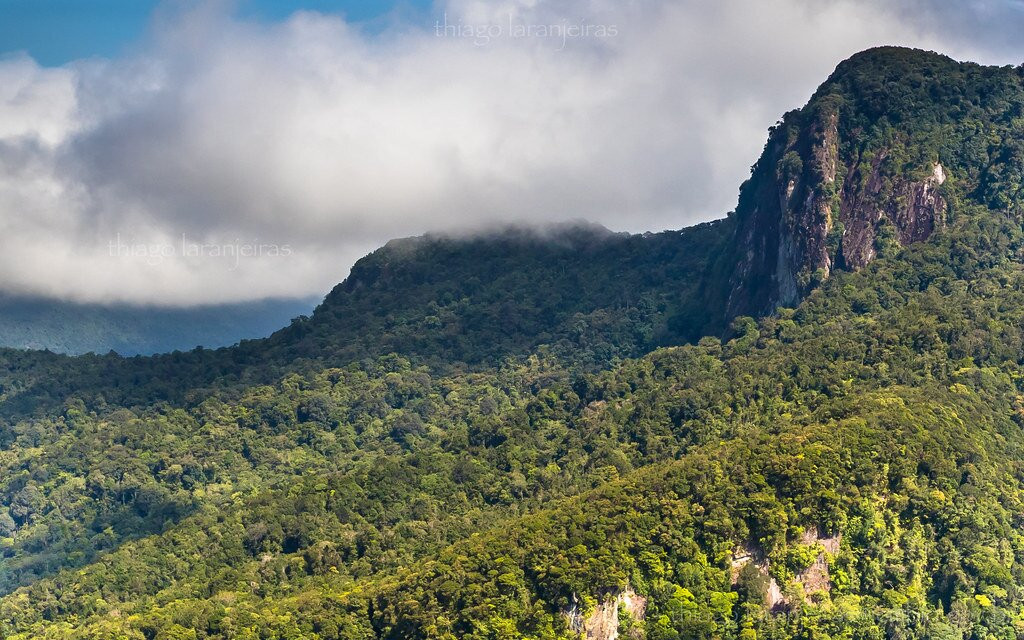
{"x": 196, "y": 152}
{"x": 55, "y": 32}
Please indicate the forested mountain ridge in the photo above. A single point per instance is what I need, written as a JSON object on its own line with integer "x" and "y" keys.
{"x": 585, "y": 294}
{"x": 848, "y": 467}
{"x": 577, "y": 289}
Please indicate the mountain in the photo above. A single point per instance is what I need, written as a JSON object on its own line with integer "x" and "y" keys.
{"x": 579, "y": 291}
{"x": 29, "y": 322}
{"x": 886, "y": 152}
{"x": 803, "y": 421}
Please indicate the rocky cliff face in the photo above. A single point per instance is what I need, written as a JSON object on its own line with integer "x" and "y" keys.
{"x": 815, "y": 211}
{"x": 808, "y": 584}
{"x": 603, "y": 622}
{"x": 832, "y": 188}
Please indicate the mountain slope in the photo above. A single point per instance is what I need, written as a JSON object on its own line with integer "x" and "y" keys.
{"x": 885, "y": 413}
{"x": 579, "y": 290}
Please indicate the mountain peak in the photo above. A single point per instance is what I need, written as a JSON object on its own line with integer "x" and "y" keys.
{"x": 893, "y": 56}
{"x": 893, "y": 145}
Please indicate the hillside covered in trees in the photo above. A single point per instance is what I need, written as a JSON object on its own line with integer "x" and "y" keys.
{"x": 803, "y": 421}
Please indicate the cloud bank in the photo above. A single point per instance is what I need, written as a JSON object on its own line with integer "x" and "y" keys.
{"x": 226, "y": 160}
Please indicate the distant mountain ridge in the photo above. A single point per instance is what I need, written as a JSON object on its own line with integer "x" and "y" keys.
{"x": 29, "y": 322}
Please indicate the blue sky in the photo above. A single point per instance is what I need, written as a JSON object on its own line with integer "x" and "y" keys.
{"x": 57, "y": 31}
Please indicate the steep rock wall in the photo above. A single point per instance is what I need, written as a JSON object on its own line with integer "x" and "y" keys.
{"x": 824, "y": 195}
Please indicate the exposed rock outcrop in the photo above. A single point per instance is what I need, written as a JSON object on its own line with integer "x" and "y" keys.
{"x": 915, "y": 209}
{"x": 603, "y": 622}
{"x": 812, "y": 580}
{"x": 746, "y": 555}
{"x": 815, "y": 578}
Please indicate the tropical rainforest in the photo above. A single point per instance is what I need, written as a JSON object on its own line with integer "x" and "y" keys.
{"x": 805, "y": 420}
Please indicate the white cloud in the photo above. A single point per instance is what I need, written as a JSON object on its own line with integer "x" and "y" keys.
{"x": 315, "y": 135}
